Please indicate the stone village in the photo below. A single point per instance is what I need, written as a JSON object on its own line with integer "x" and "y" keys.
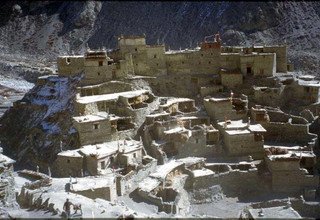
{"x": 162, "y": 125}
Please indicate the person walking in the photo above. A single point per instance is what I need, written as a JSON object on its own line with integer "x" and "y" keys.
{"x": 67, "y": 207}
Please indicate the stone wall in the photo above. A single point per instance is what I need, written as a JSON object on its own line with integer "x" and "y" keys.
{"x": 281, "y": 56}
{"x": 230, "y": 61}
{"x": 243, "y": 145}
{"x": 96, "y": 73}
{"x": 287, "y": 132}
{"x": 276, "y": 115}
{"x": 210, "y": 90}
{"x": 93, "y": 132}
{"x": 229, "y": 181}
{"x": 131, "y": 180}
{"x": 196, "y": 146}
{"x": 68, "y": 66}
{"x": 105, "y": 88}
{"x": 260, "y": 64}
{"x": 65, "y": 166}
{"x": 231, "y": 80}
{"x": 223, "y": 109}
{"x": 293, "y": 183}
{"x": 268, "y": 96}
{"x": 303, "y": 95}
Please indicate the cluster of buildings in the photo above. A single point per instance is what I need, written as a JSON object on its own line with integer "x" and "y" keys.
{"x": 128, "y": 134}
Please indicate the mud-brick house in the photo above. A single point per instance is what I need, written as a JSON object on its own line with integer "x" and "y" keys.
{"x": 242, "y": 139}
{"x": 234, "y": 107}
{"x": 96, "y": 159}
{"x": 292, "y": 173}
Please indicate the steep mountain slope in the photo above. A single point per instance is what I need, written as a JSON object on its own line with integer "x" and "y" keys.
{"x": 31, "y": 131}
{"x": 48, "y": 28}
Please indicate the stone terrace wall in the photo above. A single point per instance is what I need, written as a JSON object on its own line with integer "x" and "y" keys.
{"x": 287, "y": 132}
{"x": 229, "y": 181}
{"x": 132, "y": 180}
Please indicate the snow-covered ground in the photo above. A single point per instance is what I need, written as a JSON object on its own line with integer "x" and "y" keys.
{"x": 17, "y": 84}
{"x": 11, "y": 90}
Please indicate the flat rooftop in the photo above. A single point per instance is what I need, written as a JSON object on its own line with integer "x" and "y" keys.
{"x": 157, "y": 115}
{"x": 99, "y": 116}
{"x": 218, "y": 99}
{"x": 292, "y": 154}
{"x": 182, "y": 51}
{"x": 71, "y": 56}
{"x": 174, "y": 130}
{"x": 163, "y": 170}
{"x": 280, "y": 212}
{"x": 312, "y": 83}
{"x": 240, "y": 125}
{"x": 235, "y": 124}
{"x": 237, "y": 132}
{"x": 171, "y": 101}
{"x": 256, "y": 128}
{"x": 193, "y": 117}
{"x": 188, "y": 161}
{"x": 91, "y": 183}
{"x": 202, "y": 172}
{"x": 104, "y": 149}
{"x": 110, "y": 97}
{"x": 149, "y": 184}
{"x": 70, "y": 153}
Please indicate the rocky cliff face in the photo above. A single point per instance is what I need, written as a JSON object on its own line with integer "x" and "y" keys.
{"x": 31, "y": 131}
{"x": 48, "y": 28}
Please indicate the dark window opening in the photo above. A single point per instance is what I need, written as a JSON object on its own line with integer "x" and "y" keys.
{"x": 96, "y": 126}
{"x": 155, "y": 56}
{"x": 249, "y": 71}
{"x": 134, "y": 155}
{"x": 68, "y": 161}
{"x": 100, "y": 63}
{"x": 136, "y": 49}
{"x": 68, "y": 60}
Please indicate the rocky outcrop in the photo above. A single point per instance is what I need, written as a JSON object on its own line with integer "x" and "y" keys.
{"x": 32, "y": 129}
